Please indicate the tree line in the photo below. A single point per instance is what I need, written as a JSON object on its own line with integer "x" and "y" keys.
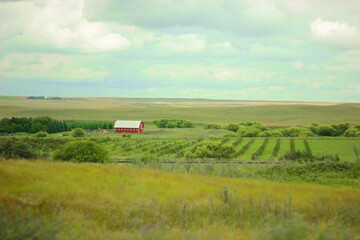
{"x": 173, "y": 123}
{"x": 47, "y": 124}
{"x": 255, "y": 129}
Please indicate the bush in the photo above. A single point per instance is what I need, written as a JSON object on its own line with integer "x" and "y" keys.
{"x": 13, "y": 148}
{"x": 214, "y": 150}
{"x": 232, "y": 127}
{"x": 81, "y": 151}
{"x": 329, "y": 130}
{"x": 271, "y": 133}
{"x": 251, "y": 131}
{"x": 41, "y": 134}
{"x": 78, "y": 132}
{"x": 212, "y": 126}
{"x": 352, "y": 132}
{"x": 173, "y": 123}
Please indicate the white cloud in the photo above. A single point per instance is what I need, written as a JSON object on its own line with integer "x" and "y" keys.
{"x": 224, "y": 46}
{"x": 335, "y": 33}
{"x": 47, "y": 67}
{"x": 297, "y": 65}
{"x": 276, "y": 88}
{"x": 317, "y": 83}
{"x": 152, "y": 90}
{"x": 268, "y": 51}
{"x": 189, "y": 42}
{"x": 62, "y": 24}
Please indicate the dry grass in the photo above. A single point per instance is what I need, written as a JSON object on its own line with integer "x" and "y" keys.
{"x": 198, "y": 111}
{"x": 92, "y": 201}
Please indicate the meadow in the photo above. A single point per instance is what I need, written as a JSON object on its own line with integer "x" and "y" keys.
{"x": 56, "y": 200}
{"x": 162, "y": 190}
{"x": 199, "y": 111}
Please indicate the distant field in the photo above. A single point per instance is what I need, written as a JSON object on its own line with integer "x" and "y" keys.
{"x": 196, "y": 110}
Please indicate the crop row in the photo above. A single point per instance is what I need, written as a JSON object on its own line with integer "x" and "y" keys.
{"x": 245, "y": 148}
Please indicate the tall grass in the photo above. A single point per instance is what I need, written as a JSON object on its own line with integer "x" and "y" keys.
{"x": 93, "y": 201}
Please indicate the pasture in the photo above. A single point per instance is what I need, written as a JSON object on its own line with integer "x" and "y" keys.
{"x": 199, "y": 111}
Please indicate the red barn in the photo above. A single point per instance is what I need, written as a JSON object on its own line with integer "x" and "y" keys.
{"x": 122, "y": 126}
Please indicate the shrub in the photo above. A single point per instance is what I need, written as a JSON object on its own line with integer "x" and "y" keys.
{"x": 291, "y": 131}
{"x": 329, "y": 130}
{"x": 251, "y": 131}
{"x": 78, "y": 132}
{"x": 41, "y": 134}
{"x": 271, "y": 133}
{"x": 81, "y": 151}
{"x": 13, "y": 148}
{"x": 352, "y": 132}
{"x": 232, "y": 127}
{"x": 214, "y": 150}
{"x": 212, "y": 126}
{"x": 173, "y": 123}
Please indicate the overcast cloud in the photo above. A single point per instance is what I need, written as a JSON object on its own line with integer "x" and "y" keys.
{"x": 307, "y": 50}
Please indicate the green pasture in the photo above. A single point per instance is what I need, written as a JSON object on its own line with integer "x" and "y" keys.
{"x": 175, "y": 145}
{"x": 343, "y": 147}
{"x": 197, "y": 111}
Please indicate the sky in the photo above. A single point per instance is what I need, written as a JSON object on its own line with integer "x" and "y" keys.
{"x": 278, "y": 50}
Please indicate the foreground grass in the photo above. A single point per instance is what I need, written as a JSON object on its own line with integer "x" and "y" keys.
{"x": 52, "y": 200}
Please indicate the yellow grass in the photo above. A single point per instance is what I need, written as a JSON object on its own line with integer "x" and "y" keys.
{"x": 95, "y": 201}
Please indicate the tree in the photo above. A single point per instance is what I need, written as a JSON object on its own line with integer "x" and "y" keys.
{"x": 173, "y": 123}
{"x": 81, "y": 151}
{"x": 232, "y": 127}
{"x": 12, "y": 148}
{"x": 78, "y": 132}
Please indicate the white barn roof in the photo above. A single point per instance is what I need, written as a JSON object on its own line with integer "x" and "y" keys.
{"x": 127, "y": 124}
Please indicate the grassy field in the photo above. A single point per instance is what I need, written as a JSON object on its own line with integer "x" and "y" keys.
{"x": 190, "y": 198}
{"x": 196, "y": 110}
{"x": 92, "y": 201}
{"x": 188, "y": 139}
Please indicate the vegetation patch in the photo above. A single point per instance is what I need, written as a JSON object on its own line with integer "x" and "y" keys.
{"x": 173, "y": 123}
{"x": 321, "y": 172}
{"x": 214, "y": 150}
{"x": 81, "y": 151}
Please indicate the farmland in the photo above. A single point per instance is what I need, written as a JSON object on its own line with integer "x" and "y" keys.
{"x": 166, "y": 191}
{"x": 199, "y": 111}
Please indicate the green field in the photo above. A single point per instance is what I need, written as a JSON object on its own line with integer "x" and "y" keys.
{"x": 197, "y": 110}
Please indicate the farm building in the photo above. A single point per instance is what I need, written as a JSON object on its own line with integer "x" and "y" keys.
{"x": 125, "y": 126}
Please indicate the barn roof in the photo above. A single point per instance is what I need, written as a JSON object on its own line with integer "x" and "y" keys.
{"x": 127, "y": 124}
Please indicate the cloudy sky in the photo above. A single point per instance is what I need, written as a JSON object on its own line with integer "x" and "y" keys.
{"x": 307, "y": 50}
